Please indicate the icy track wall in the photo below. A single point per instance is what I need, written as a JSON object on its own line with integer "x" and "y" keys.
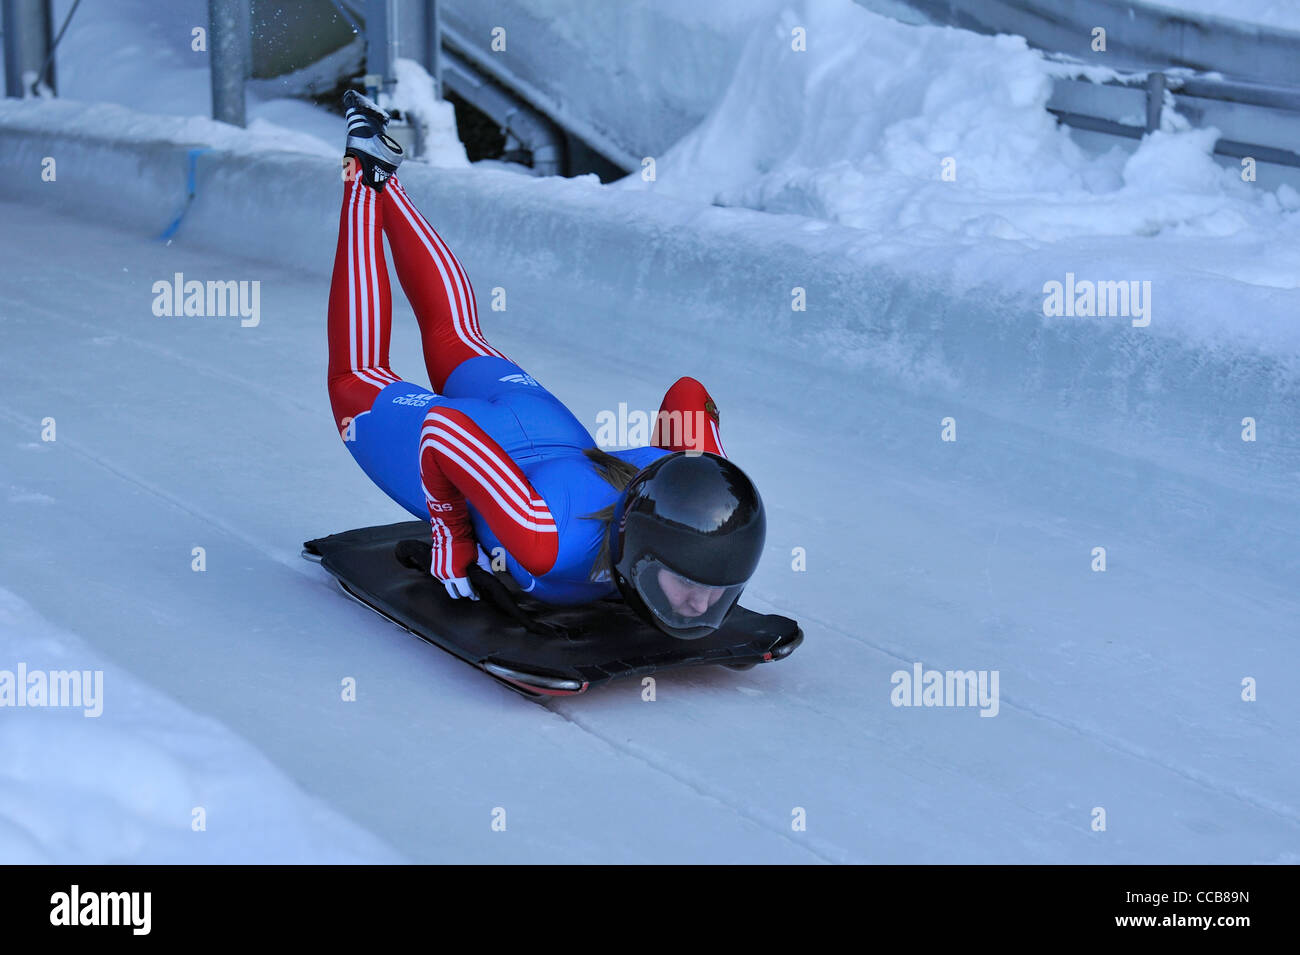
{"x": 882, "y": 351}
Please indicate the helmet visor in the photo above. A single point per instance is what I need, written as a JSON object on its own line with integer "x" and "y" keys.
{"x": 683, "y": 607}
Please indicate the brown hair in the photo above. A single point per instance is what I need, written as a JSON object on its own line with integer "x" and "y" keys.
{"x": 618, "y": 474}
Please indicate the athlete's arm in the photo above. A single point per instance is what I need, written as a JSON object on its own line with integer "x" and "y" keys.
{"x": 460, "y": 465}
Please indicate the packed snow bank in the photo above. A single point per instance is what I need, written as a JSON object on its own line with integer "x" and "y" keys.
{"x": 143, "y": 780}
{"x": 935, "y": 137}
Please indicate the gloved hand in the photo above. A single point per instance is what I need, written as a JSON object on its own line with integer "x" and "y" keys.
{"x": 421, "y": 555}
{"x": 463, "y": 556}
{"x": 479, "y": 580}
{"x": 460, "y": 587}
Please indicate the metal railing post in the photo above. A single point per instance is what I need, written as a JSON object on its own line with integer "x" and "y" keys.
{"x": 228, "y": 46}
{"x": 28, "y": 29}
{"x": 381, "y": 46}
{"x": 1155, "y": 100}
{"x": 433, "y": 55}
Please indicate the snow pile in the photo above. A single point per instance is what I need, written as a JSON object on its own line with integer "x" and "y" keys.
{"x": 926, "y": 135}
{"x": 124, "y": 786}
{"x": 413, "y": 95}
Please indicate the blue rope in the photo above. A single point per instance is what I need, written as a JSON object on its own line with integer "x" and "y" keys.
{"x": 191, "y": 187}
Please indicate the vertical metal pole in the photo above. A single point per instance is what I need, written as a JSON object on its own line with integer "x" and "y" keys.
{"x": 245, "y": 29}
{"x": 28, "y": 29}
{"x": 13, "y": 49}
{"x": 1155, "y": 100}
{"x": 390, "y": 75}
{"x": 381, "y": 46}
{"x": 228, "y": 58}
{"x": 376, "y": 47}
{"x": 433, "y": 17}
{"x": 44, "y": 28}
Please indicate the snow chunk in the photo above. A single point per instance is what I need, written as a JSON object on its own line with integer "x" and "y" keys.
{"x": 122, "y": 787}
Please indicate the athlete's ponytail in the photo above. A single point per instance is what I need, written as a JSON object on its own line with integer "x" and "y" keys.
{"x": 617, "y": 473}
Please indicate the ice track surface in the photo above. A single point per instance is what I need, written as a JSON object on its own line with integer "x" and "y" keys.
{"x": 1118, "y": 690}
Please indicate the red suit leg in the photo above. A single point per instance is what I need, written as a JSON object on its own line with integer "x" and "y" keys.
{"x": 360, "y": 316}
{"x": 437, "y": 287}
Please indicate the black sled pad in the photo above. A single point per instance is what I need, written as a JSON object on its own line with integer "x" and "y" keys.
{"x": 595, "y": 642}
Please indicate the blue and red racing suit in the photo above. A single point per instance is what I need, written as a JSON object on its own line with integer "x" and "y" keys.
{"x": 490, "y": 457}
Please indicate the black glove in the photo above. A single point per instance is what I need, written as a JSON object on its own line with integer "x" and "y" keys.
{"x": 417, "y": 554}
{"x": 496, "y": 593}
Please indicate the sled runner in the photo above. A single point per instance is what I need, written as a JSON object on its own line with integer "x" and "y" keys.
{"x": 538, "y": 650}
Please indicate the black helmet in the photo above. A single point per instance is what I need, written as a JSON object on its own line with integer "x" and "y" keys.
{"x": 686, "y": 537}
